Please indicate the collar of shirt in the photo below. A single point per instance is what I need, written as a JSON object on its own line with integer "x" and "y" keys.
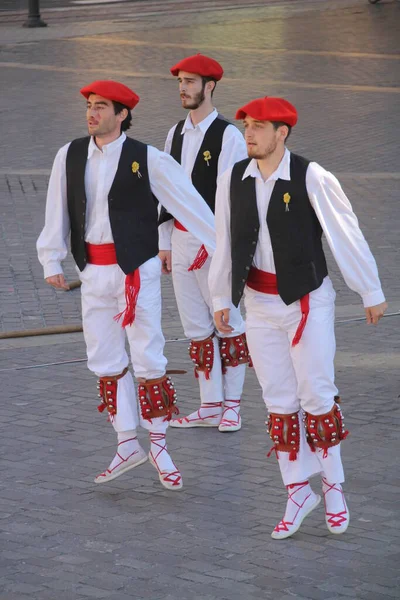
{"x": 108, "y": 148}
{"x": 282, "y": 172}
{"x": 203, "y": 125}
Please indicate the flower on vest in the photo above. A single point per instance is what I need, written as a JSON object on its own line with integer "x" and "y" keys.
{"x": 286, "y": 199}
{"x": 207, "y": 157}
{"x": 135, "y": 169}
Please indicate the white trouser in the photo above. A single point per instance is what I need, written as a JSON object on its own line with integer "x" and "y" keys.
{"x": 103, "y": 297}
{"x": 195, "y": 310}
{"x": 296, "y": 378}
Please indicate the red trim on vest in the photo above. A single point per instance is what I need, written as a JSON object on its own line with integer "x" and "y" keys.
{"x": 105, "y": 254}
{"x": 266, "y": 283}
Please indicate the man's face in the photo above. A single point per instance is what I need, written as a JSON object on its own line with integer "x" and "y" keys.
{"x": 101, "y": 118}
{"x": 261, "y": 137}
{"x": 191, "y": 90}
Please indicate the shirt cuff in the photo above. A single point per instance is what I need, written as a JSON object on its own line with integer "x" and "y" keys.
{"x": 373, "y": 298}
{"x": 52, "y": 268}
{"x": 221, "y": 302}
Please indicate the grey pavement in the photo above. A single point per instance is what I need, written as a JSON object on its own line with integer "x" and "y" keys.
{"x": 64, "y": 538}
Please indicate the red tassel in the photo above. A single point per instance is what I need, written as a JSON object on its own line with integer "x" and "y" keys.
{"x": 325, "y": 454}
{"x": 132, "y": 288}
{"x": 200, "y": 259}
{"x": 101, "y": 407}
{"x": 293, "y": 455}
{"x": 305, "y": 309}
{"x": 273, "y": 449}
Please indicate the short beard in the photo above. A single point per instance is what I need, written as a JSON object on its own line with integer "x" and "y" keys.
{"x": 262, "y": 156}
{"x": 197, "y": 100}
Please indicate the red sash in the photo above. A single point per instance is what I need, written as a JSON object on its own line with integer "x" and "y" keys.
{"x": 266, "y": 283}
{"x": 105, "y": 254}
{"x": 179, "y": 225}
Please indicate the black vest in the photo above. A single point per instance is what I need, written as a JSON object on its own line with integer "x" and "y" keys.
{"x": 295, "y": 234}
{"x": 131, "y": 205}
{"x": 204, "y": 173}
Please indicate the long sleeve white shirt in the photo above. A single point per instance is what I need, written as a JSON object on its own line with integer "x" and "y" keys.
{"x": 168, "y": 181}
{"x": 337, "y": 219}
{"x": 233, "y": 149}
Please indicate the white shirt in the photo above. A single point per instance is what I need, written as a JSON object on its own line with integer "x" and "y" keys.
{"x": 334, "y": 213}
{"x": 233, "y": 149}
{"x": 168, "y": 182}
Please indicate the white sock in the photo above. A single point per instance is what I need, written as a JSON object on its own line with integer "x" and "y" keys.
{"x": 335, "y": 503}
{"x": 159, "y": 453}
{"x": 298, "y": 494}
{"x": 127, "y": 445}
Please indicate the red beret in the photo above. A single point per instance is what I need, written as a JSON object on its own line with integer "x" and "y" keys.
{"x": 269, "y": 109}
{"x": 201, "y": 65}
{"x": 112, "y": 90}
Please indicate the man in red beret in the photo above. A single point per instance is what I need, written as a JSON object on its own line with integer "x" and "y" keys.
{"x": 272, "y": 209}
{"x": 206, "y": 145}
{"x": 103, "y": 191}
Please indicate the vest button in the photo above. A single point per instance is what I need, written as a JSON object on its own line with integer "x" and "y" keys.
{"x": 247, "y": 268}
{"x": 254, "y": 243}
{"x": 244, "y": 281}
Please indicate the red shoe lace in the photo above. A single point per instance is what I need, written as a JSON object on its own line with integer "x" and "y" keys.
{"x": 283, "y": 525}
{"x": 121, "y": 457}
{"x": 335, "y": 519}
{"x": 199, "y": 417}
{"x": 173, "y": 477}
{"x": 235, "y": 409}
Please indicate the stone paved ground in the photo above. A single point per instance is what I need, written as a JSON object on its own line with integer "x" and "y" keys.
{"x": 63, "y": 538}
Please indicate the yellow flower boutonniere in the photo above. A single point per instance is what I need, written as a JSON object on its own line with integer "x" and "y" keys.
{"x": 207, "y": 157}
{"x": 135, "y": 169}
{"x": 286, "y": 199}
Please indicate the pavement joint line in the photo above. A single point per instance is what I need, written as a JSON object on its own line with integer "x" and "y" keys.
{"x": 121, "y": 42}
{"x": 241, "y": 80}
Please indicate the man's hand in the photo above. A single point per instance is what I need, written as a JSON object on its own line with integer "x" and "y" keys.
{"x": 374, "y": 313}
{"x": 165, "y": 257}
{"x": 58, "y": 281}
{"x": 221, "y": 318}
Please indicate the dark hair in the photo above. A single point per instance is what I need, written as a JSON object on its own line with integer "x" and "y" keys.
{"x": 127, "y": 122}
{"x": 277, "y": 124}
{"x": 206, "y": 80}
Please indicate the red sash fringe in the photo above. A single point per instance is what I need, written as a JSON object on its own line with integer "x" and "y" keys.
{"x": 105, "y": 254}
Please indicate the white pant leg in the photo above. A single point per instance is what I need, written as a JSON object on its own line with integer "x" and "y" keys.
{"x": 145, "y": 337}
{"x": 313, "y": 362}
{"x": 191, "y": 291}
{"x": 105, "y": 339}
{"x": 233, "y": 379}
{"x": 270, "y": 351}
